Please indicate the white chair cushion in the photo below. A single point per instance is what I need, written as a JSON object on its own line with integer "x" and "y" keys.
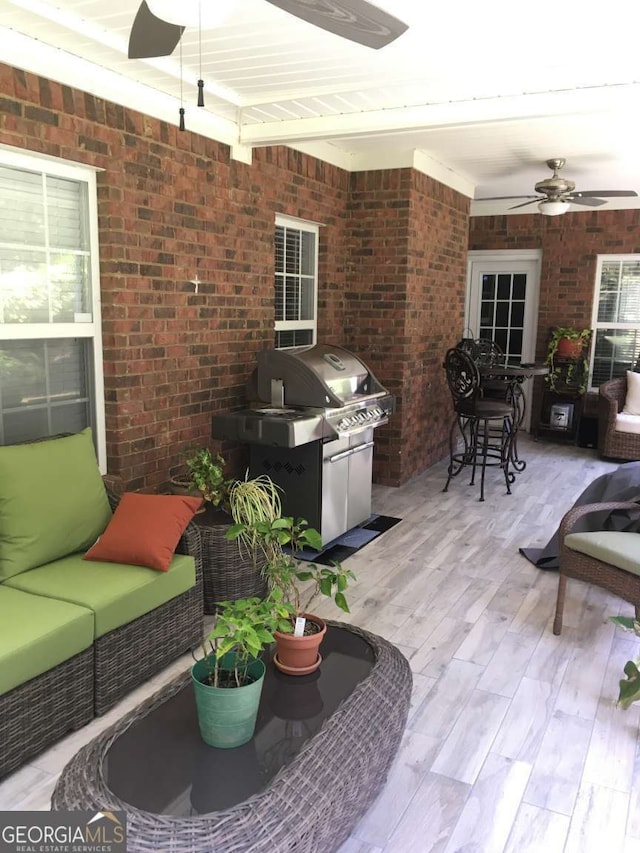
{"x": 632, "y": 402}
{"x": 620, "y": 548}
{"x": 627, "y": 423}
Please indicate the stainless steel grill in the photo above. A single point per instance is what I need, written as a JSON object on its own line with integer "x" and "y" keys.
{"x": 310, "y": 428}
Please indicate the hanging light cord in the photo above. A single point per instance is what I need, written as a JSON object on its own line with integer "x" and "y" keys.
{"x": 181, "y": 125}
{"x": 200, "y": 81}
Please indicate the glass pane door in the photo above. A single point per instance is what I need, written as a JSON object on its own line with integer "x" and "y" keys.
{"x": 502, "y": 304}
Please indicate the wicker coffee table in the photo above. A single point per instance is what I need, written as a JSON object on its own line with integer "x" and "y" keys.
{"x": 322, "y": 748}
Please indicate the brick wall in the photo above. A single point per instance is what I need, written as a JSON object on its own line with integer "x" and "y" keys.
{"x": 570, "y": 245}
{"x": 172, "y": 205}
{"x": 407, "y": 240}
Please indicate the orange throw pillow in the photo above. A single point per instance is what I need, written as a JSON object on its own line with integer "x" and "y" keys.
{"x": 145, "y": 530}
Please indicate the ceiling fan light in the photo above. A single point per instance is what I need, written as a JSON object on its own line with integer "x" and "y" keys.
{"x": 553, "y": 208}
{"x": 192, "y": 13}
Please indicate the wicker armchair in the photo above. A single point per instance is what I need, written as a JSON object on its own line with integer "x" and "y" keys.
{"x": 576, "y": 564}
{"x": 612, "y": 442}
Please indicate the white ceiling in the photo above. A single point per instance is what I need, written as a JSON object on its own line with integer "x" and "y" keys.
{"x": 478, "y": 95}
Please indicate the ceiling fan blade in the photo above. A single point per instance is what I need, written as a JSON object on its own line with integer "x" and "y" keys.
{"x": 525, "y": 203}
{"x": 356, "y": 20}
{"x": 605, "y": 194}
{"x": 586, "y": 202}
{"x": 151, "y": 36}
{"x": 506, "y": 197}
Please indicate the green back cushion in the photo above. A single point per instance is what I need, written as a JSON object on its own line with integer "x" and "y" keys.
{"x": 52, "y": 501}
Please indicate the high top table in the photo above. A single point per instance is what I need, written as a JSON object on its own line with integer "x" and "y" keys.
{"x": 319, "y": 757}
{"x": 513, "y": 375}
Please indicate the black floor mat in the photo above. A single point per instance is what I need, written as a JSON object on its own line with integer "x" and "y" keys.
{"x": 351, "y": 541}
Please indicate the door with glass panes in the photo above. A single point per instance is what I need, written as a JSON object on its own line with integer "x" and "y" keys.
{"x": 502, "y": 304}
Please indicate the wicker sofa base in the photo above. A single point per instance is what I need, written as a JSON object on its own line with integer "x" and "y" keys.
{"x": 36, "y": 714}
{"x": 310, "y": 806}
{"x": 136, "y": 651}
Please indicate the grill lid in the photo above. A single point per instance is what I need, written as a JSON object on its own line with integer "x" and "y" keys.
{"x": 320, "y": 376}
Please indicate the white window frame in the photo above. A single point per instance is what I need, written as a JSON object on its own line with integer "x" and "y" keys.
{"x": 92, "y": 329}
{"x": 295, "y": 325}
{"x": 595, "y": 323}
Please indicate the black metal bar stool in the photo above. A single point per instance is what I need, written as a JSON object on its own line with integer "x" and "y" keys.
{"x": 485, "y": 426}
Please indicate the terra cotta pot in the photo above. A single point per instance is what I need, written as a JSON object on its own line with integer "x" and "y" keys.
{"x": 568, "y": 348}
{"x": 299, "y": 655}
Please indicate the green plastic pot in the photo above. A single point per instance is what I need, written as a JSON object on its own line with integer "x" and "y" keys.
{"x": 227, "y": 715}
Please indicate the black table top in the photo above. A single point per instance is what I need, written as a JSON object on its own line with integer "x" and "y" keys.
{"x": 161, "y": 765}
{"x": 514, "y": 370}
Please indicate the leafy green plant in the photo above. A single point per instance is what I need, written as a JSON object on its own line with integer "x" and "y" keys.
{"x": 245, "y": 627}
{"x": 573, "y": 374}
{"x": 205, "y": 472}
{"x": 629, "y": 686}
{"x": 285, "y": 571}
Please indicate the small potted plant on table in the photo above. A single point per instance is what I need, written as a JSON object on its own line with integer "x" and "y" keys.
{"x": 228, "y": 678}
{"x": 298, "y": 637}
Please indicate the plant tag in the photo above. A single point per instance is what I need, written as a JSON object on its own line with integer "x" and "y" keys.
{"x": 298, "y": 631}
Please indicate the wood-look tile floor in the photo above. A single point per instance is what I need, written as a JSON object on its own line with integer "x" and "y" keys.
{"x": 514, "y": 742}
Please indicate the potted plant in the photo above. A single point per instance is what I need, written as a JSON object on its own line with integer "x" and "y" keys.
{"x": 228, "y": 677}
{"x": 253, "y": 502}
{"x": 204, "y": 476}
{"x": 564, "y": 358}
{"x": 629, "y": 686}
{"x": 299, "y": 636}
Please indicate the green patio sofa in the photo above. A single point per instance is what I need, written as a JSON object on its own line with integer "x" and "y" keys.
{"x": 76, "y": 634}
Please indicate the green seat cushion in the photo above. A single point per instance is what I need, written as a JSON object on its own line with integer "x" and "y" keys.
{"x": 619, "y": 548}
{"x": 37, "y": 634}
{"x": 116, "y": 593}
{"x": 52, "y": 501}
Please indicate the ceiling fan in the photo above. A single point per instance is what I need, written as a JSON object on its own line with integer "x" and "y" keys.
{"x": 157, "y": 34}
{"x": 557, "y": 194}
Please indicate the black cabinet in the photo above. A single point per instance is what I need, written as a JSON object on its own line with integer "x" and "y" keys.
{"x": 561, "y": 406}
{"x": 559, "y": 415}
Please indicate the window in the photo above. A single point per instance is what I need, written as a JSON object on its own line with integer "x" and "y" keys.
{"x": 616, "y": 317}
{"x": 50, "y": 341}
{"x": 296, "y": 274}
